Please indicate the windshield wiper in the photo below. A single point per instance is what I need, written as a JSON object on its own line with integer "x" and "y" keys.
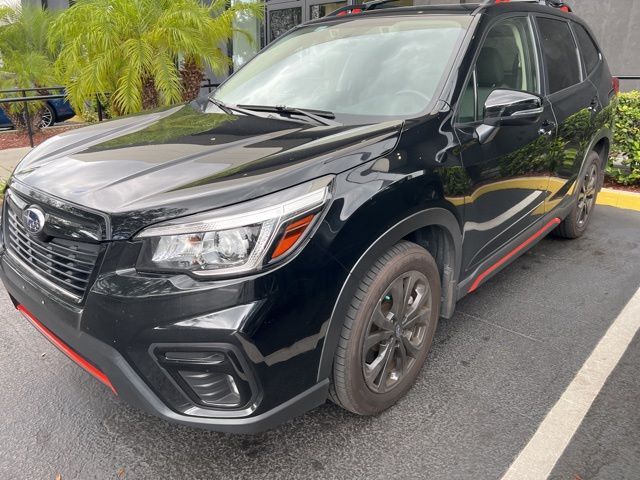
{"x": 230, "y": 109}
{"x": 322, "y": 117}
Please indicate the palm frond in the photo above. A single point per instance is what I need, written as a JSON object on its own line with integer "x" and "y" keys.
{"x": 117, "y": 45}
{"x": 128, "y": 94}
{"x": 166, "y": 78}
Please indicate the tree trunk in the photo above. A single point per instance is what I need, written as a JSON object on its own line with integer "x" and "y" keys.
{"x": 150, "y": 98}
{"x": 16, "y": 118}
{"x": 191, "y": 75}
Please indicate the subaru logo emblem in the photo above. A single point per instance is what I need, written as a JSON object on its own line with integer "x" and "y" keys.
{"x": 33, "y": 220}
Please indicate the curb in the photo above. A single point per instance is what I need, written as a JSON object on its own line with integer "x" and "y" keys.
{"x": 619, "y": 199}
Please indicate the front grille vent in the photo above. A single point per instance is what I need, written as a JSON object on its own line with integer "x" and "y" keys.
{"x": 66, "y": 264}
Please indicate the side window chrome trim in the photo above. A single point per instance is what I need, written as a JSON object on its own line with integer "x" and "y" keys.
{"x": 574, "y": 29}
{"x": 536, "y": 53}
{"x": 476, "y": 113}
{"x": 583, "y": 66}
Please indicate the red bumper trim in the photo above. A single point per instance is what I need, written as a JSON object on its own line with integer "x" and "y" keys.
{"x": 66, "y": 349}
{"x": 513, "y": 253}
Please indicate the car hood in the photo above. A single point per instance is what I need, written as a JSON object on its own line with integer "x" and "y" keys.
{"x": 184, "y": 160}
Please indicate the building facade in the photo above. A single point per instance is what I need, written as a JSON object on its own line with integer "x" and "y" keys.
{"x": 614, "y": 23}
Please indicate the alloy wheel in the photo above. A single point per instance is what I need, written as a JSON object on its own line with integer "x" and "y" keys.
{"x": 396, "y": 331}
{"x": 47, "y": 117}
{"x": 587, "y": 195}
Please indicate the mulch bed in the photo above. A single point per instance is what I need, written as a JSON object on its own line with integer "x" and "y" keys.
{"x": 629, "y": 188}
{"x": 12, "y": 139}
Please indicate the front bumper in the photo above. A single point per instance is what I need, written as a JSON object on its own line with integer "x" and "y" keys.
{"x": 127, "y": 317}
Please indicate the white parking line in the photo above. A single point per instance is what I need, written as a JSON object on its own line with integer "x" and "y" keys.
{"x": 546, "y": 446}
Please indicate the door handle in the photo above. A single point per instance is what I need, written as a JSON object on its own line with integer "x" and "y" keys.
{"x": 593, "y": 106}
{"x": 547, "y": 128}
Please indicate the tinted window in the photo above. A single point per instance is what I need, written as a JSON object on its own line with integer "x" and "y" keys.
{"x": 506, "y": 60}
{"x": 467, "y": 108}
{"x": 589, "y": 50}
{"x": 560, "y": 54}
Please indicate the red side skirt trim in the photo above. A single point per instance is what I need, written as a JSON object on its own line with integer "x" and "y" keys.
{"x": 513, "y": 253}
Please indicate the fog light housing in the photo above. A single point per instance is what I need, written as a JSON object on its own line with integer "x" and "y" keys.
{"x": 213, "y": 388}
{"x": 213, "y": 376}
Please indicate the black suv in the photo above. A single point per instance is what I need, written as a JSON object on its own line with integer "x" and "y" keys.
{"x": 236, "y": 261}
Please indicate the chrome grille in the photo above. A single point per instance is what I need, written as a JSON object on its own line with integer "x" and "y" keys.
{"x": 66, "y": 264}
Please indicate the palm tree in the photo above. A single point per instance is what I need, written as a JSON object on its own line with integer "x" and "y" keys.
{"x": 131, "y": 48}
{"x": 25, "y": 59}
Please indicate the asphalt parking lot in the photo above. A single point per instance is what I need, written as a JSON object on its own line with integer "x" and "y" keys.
{"x": 495, "y": 371}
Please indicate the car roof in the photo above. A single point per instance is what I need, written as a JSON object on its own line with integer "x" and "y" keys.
{"x": 491, "y": 9}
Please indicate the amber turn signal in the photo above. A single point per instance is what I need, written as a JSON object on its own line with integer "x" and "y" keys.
{"x": 292, "y": 234}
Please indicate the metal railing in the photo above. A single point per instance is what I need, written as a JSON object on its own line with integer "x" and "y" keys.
{"x": 208, "y": 85}
{"x": 24, "y": 99}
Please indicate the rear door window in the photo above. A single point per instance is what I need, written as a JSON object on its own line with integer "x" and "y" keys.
{"x": 590, "y": 52}
{"x": 560, "y": 54}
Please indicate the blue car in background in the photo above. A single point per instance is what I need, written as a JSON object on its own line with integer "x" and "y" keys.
{"x": 57, "y": 110}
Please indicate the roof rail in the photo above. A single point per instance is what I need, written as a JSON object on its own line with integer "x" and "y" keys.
{"x": 372, "y": 4}
{"x": 549, "y": 3}
{"x": 352, "y": 9}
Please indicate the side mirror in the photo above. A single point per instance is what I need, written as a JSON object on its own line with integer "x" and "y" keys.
{"x": 512, "y": 107}
{"x": 508, "y": 108}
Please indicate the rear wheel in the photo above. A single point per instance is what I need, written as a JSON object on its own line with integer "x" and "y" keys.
{"x": 588, "y": 187}
{"x": 388, "y": 330}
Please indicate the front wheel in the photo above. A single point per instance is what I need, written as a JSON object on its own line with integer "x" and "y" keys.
{"x": 48, "y": 116}
{"x": 388, "y": 330}
{"x": 588, "y": 187}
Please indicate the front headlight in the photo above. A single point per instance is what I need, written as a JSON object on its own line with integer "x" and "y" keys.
{"x": 237, "y": 239}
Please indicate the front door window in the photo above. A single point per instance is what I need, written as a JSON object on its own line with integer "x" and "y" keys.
{"x": 507, "y": 60}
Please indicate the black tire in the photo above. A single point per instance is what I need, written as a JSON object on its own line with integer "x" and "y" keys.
{"x": 412, "y": 269}
{"x": 589, "y": 184}
{"x": 48, "y": 116}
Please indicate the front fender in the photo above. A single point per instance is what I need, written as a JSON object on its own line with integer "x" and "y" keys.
{"x": 435, "y": 216}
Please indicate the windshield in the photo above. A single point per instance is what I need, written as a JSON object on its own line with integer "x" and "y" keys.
{"x": 379, "y": 66}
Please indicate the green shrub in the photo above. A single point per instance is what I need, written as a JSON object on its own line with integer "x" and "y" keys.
{"x": 626, "y": 141}
{"x": 3, "y": 186}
